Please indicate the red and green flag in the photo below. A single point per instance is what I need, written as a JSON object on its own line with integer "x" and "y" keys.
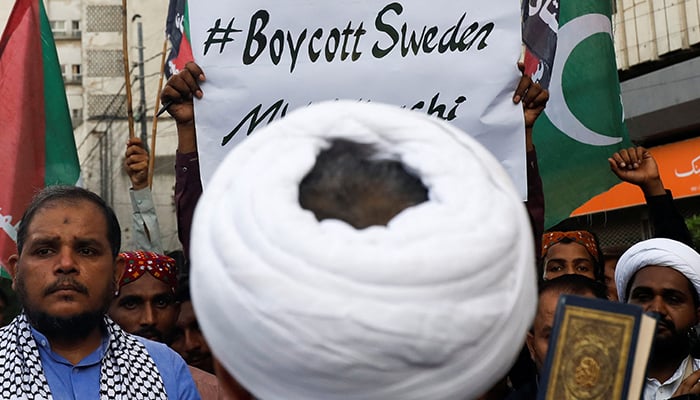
{"x": 583, "y": 123}
{"x": 38, "y": 147}
{"x": 177, "y": 29}
{"x": 540, "y": 26}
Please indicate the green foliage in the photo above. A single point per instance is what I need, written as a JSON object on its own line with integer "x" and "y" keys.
{"x": 694, "y": 227}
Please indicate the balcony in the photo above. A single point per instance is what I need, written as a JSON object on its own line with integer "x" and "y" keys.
{"x": 67, "y": 35}
{"x": 76, "y": 117}
{"x": 75, "y": 79}
{"x": 651, "y": 30}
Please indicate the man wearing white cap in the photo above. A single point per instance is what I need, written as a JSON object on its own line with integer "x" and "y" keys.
{"x": 663, "y": 276}
{"x": 364, "y": 252}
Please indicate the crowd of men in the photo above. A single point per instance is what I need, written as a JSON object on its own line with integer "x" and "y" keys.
{"x": 392, "y": 260}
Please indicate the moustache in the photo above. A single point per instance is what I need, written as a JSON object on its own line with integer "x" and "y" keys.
{"x": 196, "y": 356}
{"x": 149, "y": 333}
{"x": 662, "y": 321}
{"x": 66, "y": 284}
{"x": 668, "y": 324}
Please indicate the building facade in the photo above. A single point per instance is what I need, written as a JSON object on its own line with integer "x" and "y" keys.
{"x": 88, "y": 35}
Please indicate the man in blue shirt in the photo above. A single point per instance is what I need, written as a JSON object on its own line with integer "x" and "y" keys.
{"x": 63, "y": 345}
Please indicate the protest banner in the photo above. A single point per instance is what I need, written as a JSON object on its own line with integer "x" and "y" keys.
{"x": 453, "y": 60}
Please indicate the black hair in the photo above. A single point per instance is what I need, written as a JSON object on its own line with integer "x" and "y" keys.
{"x": 69, "y": 194}
{"x": 182, "y": 294}
{"x": 351, "y": 183}
{"x": 182, "y": 291}
{"x": 598, "y": 263}
{"x": 574, "y": 284}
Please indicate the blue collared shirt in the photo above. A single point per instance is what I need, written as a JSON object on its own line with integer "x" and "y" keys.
{"x": 82, "y": 381}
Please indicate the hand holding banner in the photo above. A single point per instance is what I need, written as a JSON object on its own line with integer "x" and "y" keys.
{"x": 456, "y": 61}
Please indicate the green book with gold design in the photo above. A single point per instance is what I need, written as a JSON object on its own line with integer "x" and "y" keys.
{"x": 598, "y": 351}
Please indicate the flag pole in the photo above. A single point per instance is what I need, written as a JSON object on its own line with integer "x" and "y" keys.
{"x": 152, "y": 158}
{"x": 127, "y": 74}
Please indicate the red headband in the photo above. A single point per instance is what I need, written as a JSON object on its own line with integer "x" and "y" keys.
{"x": 139, "y": 262}
{"x": 584, "y": 238}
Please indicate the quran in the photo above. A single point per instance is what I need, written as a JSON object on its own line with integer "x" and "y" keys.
{"x": 598, "y": 351}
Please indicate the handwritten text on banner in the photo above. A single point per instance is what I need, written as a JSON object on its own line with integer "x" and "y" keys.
{"x": 452, "y": 60}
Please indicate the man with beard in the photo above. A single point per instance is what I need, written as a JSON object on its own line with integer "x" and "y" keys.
{"x": 188, "y": 340}
{"x": 62, "y": 345}
{"x": 663, "y": 276}
{"x": 145, "y": 303}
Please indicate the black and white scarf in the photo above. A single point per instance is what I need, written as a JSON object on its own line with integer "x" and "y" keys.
{"x": 127, "y": 370}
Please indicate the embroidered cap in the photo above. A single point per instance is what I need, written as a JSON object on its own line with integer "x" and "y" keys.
{"x": 584, "y": 238}
{"x": 139, "y": 262}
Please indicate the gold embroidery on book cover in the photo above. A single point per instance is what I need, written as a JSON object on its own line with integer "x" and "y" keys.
{"x": 592, "y": 353}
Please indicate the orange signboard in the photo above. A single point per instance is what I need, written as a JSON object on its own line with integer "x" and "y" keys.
{"x": 679, "y": 167}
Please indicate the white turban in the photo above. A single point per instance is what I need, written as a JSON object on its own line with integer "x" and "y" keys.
{"x": 657, "y": 252}
{"x": 435, "y": 305}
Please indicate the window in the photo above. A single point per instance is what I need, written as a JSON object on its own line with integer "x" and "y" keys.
{"x": 76, "y": 73}
{"x": 75, "y": 28}
{"x": 76, "y": 116}
{"x": 58, "y": 26}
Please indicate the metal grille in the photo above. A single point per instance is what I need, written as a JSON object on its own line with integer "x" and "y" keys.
{"x": 623, "y": 232}
{"x": 105, "y": 63}
{"x": 104, "y": 18}
{"x": 164, "y": 164}
{"x": 110, "y": 106}
{"x": 614, "y": 229}
{"x": 689, "y": 206}
{"x": 620, "y": 229}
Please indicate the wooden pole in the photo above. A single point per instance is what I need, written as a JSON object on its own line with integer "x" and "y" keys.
{"x": 127, "y": 73}
{"x": 152, "y": 158}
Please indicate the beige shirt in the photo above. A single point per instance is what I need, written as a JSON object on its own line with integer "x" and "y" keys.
{"x": 207, "y": 385}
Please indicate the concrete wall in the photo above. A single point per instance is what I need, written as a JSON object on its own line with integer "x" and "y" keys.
{"x": 663, "y": 102}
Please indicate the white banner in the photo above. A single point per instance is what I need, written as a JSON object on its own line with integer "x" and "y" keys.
{"x": 455, "y": 60}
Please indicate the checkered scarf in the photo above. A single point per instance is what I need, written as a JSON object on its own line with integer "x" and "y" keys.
{"x": 127, "y": 371}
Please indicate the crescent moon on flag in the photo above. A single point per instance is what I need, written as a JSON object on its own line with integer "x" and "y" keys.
{"x": 570, "y": 35}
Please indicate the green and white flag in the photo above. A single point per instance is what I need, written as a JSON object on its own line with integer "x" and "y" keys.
{"x": 583, "y": 123}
